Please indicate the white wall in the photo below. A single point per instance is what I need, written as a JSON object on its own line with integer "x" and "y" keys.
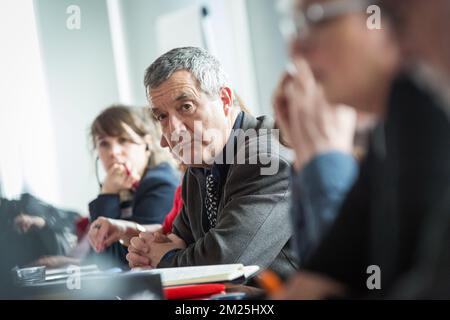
{"x": 231, "y": 37}
{"x": 269, "y": 49}
{"x": 81, "y": 81}
{"x": 81, "y": 70}
{"x": 27, "y": 161}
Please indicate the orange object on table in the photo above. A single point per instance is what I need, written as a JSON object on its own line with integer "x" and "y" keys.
{"x": 269, "y": 281}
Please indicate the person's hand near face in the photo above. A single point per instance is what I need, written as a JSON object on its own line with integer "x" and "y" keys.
{"x": 119, "y": 177}
{"x": 307, "y": 120}
{"x": 148, "y": 249}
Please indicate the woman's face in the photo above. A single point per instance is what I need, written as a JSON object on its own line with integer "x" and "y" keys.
{"x": 347, "y": 58}
{"x": 123, "y": 150}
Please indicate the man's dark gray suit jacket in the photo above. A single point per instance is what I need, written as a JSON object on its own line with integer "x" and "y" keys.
{"x": 253, "y": 223}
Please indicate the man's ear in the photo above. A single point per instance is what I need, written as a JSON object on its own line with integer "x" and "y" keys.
{"x": 226, "y": 96}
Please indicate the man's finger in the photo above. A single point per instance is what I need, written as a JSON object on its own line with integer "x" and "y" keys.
{"x": 93, "y": 231}
{"x": 114, "y": 237}
{"x": 131, "y": 264}
{"x": 139, "y": 245}
{"x": 161, "y": 238}
{"x": 136, "y": 259}
{"x": 147, "y": 236}
{"x": 102, "y": 235}
{"x": 133, "y": 249}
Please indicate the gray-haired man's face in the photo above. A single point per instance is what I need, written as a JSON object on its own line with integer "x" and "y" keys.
{"x": 195, "y": 126}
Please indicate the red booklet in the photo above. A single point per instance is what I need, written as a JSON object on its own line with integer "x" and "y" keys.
{"x": 193, "y": 291}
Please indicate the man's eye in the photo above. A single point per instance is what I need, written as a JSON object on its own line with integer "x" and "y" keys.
{"x": 161, "y": 117}
{"x": 186, "y": 107}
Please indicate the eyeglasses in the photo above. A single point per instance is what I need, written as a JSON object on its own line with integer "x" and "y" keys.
{"x": 300, "y": 24}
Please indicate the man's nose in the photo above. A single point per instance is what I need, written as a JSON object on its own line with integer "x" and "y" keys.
{"x": 176, "y": 125}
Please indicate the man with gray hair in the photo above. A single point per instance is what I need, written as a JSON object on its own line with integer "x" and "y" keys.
{"x": 235, "y": 191}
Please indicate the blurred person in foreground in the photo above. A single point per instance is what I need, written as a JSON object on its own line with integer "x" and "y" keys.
{"x": 312, "y": 105}
{"x": 391, "y": 232}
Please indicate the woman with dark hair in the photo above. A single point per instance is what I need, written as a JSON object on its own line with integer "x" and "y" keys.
{"x": 138, "y": 189}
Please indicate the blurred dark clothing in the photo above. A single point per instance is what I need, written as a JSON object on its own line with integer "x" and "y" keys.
{"x": 397, "y": 214}
{"x": 253, "y": 221}
{"x": 20, "y": 249}
{"x": 318, "y": 191}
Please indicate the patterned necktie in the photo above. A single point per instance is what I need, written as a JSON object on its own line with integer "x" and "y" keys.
{"x": 212, "y": 199}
